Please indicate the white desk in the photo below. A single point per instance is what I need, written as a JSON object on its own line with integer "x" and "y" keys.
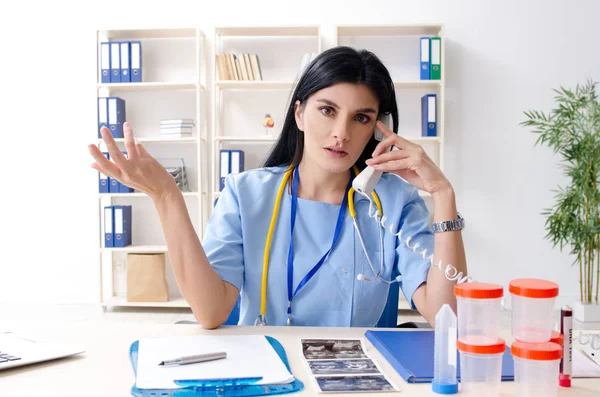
{"x": 104, "y": 370}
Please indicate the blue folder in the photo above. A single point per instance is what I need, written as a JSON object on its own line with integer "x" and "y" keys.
{"x": 425, "y": 61}
{"x": 221, "y": 387}
{"x": 122, "y": 218}
{"x": 117, "y": 116}
{"x": 429, "y": 115}
{"x": 105, "y": 62}
{"x": 411, "y": 354}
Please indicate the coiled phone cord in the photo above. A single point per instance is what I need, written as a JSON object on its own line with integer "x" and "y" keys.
{"x": 451, "y": 272}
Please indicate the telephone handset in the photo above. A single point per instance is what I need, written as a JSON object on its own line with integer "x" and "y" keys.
{"x": 386, "y": 119}
{"x": 365, "y": 182}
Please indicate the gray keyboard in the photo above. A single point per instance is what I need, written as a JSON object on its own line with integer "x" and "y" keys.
{"x": 4, "y": 357}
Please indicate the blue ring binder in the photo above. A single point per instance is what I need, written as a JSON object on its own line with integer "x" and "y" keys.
{"x": 225, "y": 388}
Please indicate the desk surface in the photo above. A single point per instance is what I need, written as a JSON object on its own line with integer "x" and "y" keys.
{"x": 104, "y": 370}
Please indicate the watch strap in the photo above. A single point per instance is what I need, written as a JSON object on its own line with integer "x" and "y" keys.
{"x": 448, "y": 226}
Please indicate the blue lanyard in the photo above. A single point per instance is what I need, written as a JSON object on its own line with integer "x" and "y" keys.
{"x": 290, "y": 264}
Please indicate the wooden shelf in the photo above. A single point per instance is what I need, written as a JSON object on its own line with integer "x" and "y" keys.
{"x": 138, "y": 34}
{"x": 139, "y": 194}
{"x": 388, "y": 30}
{"x": 158, "y": 140}
{"x": 138, "y": 249}
{"x": 416, "y": 139}
{"x": 274, "y": 31}
{"x": 151, "y": 86}
{"x": 254, "y": 85}
{"x": 268, "y": 138}
{"x": 423, "y": 139}
{"x": 433, "y": 84}
{"x": 119, "y": 301}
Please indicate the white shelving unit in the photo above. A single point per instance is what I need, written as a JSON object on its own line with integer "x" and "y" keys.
{"x": 173, "y": 86}
{"x": 238, "y": 106}
{"x": 168, "y": 86}
{"x": 122, "y": 302}
{"x": 147, "y": 249}
{"x": 262, "y": 85}
{"x": 398, "y": 47}
{"x": 259, "y": 40}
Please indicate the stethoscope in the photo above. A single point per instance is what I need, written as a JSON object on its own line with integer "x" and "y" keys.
{"x": 261, "y": 319}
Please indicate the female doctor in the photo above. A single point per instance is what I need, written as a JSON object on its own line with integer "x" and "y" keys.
{"x": 283, "y": 236}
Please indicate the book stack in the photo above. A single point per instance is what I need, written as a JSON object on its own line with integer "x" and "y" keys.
{"x": 239, "y": 67}
{"x": 176, "y": 128}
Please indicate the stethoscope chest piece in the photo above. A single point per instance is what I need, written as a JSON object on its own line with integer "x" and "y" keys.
{"x": 260, "y": 321}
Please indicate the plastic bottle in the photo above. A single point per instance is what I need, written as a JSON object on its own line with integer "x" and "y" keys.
{"x": 444, "y": 363}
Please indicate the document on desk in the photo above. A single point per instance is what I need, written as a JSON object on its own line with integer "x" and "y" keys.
{"x": 342, "y": 366}
{"x": 583, "y": 366}
{"x": 248, "y": 356}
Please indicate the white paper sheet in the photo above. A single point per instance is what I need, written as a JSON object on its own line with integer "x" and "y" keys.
{"x": 584, "y": 367}
{"x": 247, "y": 356}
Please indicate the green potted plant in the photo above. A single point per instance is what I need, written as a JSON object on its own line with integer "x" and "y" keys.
{"x": 572, "y": 129}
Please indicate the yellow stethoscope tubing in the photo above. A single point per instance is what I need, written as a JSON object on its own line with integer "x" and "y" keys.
{"x": 263, "y": 292}
{"x": 265, "y": 273}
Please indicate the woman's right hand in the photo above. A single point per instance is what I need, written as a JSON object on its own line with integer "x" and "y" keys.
{"x": 140, "y": 171}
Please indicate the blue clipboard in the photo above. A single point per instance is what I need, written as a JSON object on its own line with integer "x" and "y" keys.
{"x": 224, "y": 388}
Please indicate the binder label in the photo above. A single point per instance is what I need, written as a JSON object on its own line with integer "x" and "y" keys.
{"x": 108, "y": 221}
{"x": 235, "y": 162}
{"x": 435, "y": 52}
{"x": 102, "y": 108}
{"x": 104, "y": 58}
{"x": 135, "y": 55}
{"x": 118, "y": 221}
{"x": 424, "y": 50}
{"x": 115, "y": 57}
{"x": 124, "y": 59}
{"x": 112, "y": 111}
{"x": 431, "y": 109}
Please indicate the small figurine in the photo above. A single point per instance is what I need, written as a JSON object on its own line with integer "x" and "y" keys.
{"x": 268, "y": 123}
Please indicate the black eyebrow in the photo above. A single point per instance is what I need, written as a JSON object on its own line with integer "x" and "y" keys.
{"x": 333, "y": 104}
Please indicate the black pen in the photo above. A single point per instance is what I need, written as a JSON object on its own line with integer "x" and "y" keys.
{"x": 198, "y": 358}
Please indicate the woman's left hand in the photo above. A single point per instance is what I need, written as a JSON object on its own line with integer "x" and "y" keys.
{"x": 410, "y": 162}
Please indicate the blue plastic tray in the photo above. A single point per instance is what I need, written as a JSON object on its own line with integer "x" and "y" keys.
{"x": 224, "y": 389}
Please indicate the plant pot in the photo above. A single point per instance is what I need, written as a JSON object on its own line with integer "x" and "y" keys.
{"x": 586, "y": 312}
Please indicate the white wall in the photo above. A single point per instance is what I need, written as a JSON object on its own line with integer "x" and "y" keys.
{"x": 501, "y": 59}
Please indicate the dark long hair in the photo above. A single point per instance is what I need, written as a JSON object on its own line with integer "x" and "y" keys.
{"x": 337, "y": 65}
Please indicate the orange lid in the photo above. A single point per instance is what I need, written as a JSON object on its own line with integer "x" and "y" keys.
{"x": 537, "y": 351}
{"x": 558, "y": 338}
{"x": 478, "y": 290}
{"x": 533, "y": 288}
{"x": 497, "y": 348}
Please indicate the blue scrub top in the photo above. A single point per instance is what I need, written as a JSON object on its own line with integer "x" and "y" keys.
{"x": 235, "y": 240}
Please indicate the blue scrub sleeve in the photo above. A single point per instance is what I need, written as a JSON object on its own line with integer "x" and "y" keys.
{"x": 223, "y": 242}
{"x": 414, "y": 221}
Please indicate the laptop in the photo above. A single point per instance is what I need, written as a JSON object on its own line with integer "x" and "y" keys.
{"x": 17, "y": 350}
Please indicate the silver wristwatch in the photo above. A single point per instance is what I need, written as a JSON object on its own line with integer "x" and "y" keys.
{"x": 448, "y": 226}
